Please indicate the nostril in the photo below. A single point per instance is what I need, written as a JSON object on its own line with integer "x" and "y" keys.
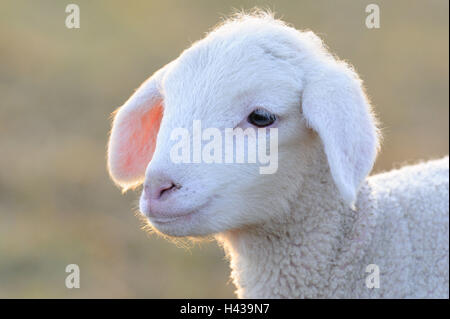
{"x": 165, "y": 189}
{"x": 168, "y": 188}
{"x": 155, "y": 191}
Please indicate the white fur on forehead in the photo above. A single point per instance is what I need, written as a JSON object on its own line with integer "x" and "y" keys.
{"x": 245, "y": 42}
{"x": 236, "y": 55}
{"x": 263, "y": 26}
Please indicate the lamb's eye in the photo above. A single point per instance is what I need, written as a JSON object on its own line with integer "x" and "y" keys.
{"x": 261, "y": 118}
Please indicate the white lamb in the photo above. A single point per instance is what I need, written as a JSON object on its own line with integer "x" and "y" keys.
{"x": 314, "y": 228}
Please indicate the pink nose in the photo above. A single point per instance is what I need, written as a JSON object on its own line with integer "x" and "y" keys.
{"x": 160, "y": 190}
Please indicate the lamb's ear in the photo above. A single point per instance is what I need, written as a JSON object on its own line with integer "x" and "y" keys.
{"x": 133, "y": 136}
{"x": 336, "y": 107}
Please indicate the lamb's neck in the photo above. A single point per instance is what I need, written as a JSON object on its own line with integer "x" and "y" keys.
{"x": 296, "y": 258}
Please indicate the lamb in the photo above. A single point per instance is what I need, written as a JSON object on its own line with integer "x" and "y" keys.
{"x": 316, "y": 228}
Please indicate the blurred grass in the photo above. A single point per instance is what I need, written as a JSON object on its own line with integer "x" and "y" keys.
{"x": 58, "y": 87}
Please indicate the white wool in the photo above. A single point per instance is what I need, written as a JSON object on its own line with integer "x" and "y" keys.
{"x": 311, "y": 229}
{"x": 322, "y": 248}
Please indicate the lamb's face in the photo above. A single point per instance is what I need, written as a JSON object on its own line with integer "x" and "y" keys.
{"x": 251, "y": 73}
{"x": 219, "y": 86}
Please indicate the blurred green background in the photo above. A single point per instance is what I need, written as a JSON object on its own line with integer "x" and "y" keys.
{"x": 58, "y": 87}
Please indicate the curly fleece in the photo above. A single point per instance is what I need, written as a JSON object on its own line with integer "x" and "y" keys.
{"x": 400, "y": 224}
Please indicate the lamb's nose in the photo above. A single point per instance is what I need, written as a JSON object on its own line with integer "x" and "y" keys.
{"x": 159, "y": 191}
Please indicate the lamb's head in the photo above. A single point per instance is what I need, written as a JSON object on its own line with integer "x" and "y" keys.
{"x": 251, "y": 72}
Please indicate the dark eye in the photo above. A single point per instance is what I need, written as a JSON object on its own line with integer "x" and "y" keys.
{"x": 261, "y": 118}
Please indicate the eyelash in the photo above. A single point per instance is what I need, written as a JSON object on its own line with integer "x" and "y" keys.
{"x": 261, "y": 118}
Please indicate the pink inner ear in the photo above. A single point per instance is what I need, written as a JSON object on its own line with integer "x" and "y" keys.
{"x": 138, "y": 150}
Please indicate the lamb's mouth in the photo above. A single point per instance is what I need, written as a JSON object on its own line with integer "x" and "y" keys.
{"x": 162, "y": 220}
{"x": 171, "y": 219}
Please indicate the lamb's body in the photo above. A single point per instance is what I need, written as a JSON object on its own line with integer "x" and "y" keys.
{"x": 401, "y": 224}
